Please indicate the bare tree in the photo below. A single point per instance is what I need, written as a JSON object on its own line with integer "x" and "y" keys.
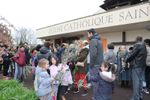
{"x": 5, "y": 36}
{"x": 25, "y": 35}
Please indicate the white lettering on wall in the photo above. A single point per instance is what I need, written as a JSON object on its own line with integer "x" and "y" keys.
{"x": 134, "y": 14}
{"x": 119, "y": 17}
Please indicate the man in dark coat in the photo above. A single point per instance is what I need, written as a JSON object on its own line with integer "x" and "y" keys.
{"x": 44, "y": 52}
{"x": 138, "y": 54}
{"x": 95, "y": 47}
{"x": 147, "y": 70}
{"x": 96, "y": 55}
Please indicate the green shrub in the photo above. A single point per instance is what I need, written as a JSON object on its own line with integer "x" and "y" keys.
{"x": 12, "y": 90}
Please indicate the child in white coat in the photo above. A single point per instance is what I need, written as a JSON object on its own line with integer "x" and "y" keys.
{"x": 54, "y": 72}
{"x": 66, "y": 80}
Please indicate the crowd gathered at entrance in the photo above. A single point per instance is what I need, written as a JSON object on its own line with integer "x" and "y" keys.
{"x": 82, "y": 63}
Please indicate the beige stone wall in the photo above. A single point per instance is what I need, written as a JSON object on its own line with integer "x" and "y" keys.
{"x": 131, "y": 35}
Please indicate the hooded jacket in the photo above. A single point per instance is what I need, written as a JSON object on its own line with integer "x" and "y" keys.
{"x": 42, "y": 82}
{"x": 96, "y": 51}
{"x": 104, "y": 86}
{"x": 44, "y": 53}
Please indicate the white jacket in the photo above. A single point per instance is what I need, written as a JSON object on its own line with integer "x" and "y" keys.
{"x": 53, "y": 72}
{"x": 66, "y": 78}
{"x": 107, "y": 76}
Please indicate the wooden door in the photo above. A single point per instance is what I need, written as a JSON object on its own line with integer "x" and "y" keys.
{"x": 104, "y": 44}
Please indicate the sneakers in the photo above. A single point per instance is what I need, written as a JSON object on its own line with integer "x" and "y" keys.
{"x": 76, "y": 91}
{"x": 145, "y": 91}
{"x": 69, "y": 88}
{"x": 89, "y": 85}
{"x": 66, "y": 92}
{"x": 84, "y": 93}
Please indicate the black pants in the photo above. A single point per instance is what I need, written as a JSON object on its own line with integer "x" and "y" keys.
{"x": 1, "y": 67}
{"x": 5, "y": 68}
{"x": 61, "y": 91}
{"x": 147, "y": 76}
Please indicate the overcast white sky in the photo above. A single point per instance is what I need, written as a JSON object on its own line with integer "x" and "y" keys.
{"x": 40, "y": 13}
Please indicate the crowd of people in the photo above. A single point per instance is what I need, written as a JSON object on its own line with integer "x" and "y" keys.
{"x": 82, "y": 63}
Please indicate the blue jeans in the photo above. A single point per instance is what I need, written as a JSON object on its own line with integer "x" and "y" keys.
{"x": 87, "y": 70}
{"x": 137, "y": 79}
{"x": 92, "y": 74}
{"x": 18, "y": 72}
{"x": 143, "y": 78}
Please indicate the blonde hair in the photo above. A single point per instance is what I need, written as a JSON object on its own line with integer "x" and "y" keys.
{"x": 42, "y": 62}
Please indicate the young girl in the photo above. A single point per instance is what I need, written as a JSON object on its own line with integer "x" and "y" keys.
{"x": 66, "y": 80}
{"x": 104, "y": 80}
{"x": 53, "y": 72}
{"x": 42, "y": 82}
{"x": 34, "y": 52}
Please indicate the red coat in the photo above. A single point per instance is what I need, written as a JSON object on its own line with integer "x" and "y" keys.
{"x": 19, "y": 58}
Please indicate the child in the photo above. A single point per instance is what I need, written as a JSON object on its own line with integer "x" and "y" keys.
{"x": 34, "y": 52}
{"x": 66, "y": 80}
{"x": 53, "y": 72}
{"x": 104, "y": 80}
{"x": 42, "y": 82}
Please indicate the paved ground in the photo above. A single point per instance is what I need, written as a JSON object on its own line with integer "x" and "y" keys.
{"x": 119, "y": 93}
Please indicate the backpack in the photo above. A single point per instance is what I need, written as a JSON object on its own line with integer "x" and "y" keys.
{"x": 40, "y": 56}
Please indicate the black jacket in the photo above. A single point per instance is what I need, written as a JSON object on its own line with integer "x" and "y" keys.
{"x": 43, "y": 53}
{"x": 138, "y": 54}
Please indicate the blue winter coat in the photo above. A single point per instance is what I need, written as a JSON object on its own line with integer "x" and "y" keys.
{"x": 42, "y": 82}
{"x": 96, "y": 51}
{"x": 104, "y": 88}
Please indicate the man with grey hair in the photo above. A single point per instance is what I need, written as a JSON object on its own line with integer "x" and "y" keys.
{"x": 138, "y": 55}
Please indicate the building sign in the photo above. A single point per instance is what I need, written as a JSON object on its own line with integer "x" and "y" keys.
{"x": 135, "y": 14}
